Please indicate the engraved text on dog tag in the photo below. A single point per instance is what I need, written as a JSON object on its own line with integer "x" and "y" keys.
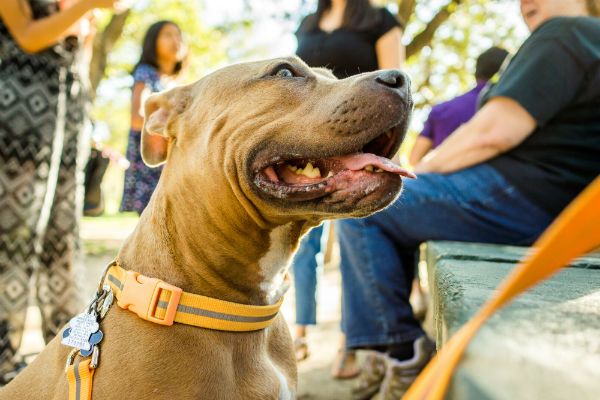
{"x": 81, "y": 328}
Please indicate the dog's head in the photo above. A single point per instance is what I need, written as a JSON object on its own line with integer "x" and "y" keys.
{"x": 287, "y": 141}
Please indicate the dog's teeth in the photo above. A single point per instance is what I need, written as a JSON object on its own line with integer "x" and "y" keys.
{"x": 330, "y": 174}
{"x": 378, "y": 170}
{"x": 292, "y": 168}
{"x": 369, "y": 168}
{"x": 309, "y": 171}
{"x": 388, "y": 133}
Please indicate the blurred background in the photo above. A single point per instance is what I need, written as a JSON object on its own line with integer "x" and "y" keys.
{"x": 442, "y": 39}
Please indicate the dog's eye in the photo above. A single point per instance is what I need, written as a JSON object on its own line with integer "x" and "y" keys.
{"x": 284, "y": 73}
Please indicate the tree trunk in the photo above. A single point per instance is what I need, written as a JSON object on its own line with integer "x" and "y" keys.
{"x": 103, "y": 44}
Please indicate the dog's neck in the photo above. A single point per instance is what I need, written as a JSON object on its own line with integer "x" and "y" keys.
{"x": 186, "y": 247}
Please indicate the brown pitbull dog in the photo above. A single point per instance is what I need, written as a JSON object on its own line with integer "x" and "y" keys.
{"x": 256, "y": 154}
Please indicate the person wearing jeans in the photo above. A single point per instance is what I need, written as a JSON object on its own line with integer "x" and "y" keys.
{"x": 306, "y": 264}
{"x": 502, "y": 177}
{"x": 476, "y": 205}
{"x": 348, "y": 37}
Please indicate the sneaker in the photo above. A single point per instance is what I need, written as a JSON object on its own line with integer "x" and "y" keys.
{"x": 371, "y": 376}
{"x": 400, "y": 375}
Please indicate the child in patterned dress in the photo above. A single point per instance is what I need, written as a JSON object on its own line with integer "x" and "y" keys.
{"x": 161, "y": 61}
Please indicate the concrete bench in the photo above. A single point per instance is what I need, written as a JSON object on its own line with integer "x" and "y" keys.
{"x": 545, "y": 345}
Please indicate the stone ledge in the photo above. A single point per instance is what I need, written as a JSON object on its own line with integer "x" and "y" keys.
{"x": 544, "y": 345}
{"x": 497, "y": 253}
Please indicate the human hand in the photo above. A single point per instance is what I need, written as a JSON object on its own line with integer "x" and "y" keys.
{"x": 85, "y": 25}
{"x": 422, "y": 168}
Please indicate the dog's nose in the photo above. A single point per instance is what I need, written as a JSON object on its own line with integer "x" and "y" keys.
{"x": 393, "y": 78}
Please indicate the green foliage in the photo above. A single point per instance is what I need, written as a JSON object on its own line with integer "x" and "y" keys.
{"x": 206, "y": 49}
{"x": 445, "y": 68}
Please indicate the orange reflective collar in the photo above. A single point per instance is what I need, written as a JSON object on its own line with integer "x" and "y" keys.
{"x": 159, "y": 302}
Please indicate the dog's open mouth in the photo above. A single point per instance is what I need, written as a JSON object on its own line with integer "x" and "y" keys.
{"x": 307, "y": 178}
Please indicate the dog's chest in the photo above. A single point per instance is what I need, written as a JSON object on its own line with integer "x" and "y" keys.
{"x": 274, "y": 264}
{"x": 285, "y": 393}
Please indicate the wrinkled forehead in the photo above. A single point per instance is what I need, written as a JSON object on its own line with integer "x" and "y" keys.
{"x": 239, "y": 75}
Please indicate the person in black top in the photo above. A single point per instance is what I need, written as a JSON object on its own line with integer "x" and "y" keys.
{"x": 348, "y": 37}
{"x": 502, "y": 177}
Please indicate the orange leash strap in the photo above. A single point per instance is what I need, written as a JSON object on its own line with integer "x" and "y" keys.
{"x": 80, "y": 380}
{"x": 575, "y": 232}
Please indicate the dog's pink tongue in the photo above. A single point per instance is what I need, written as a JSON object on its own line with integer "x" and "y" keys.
{"x": 358, "y": 161}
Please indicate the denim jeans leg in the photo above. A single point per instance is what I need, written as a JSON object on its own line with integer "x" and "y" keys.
{"x": 305, "y": 277}
{"x": 375, "y": 307}
{"x": 476, "y": 204}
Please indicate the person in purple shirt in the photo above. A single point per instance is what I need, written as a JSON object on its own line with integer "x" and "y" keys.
{"x": 445, "y": 117}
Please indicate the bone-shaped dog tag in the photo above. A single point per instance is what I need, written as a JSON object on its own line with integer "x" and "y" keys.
{"x": 81, "y": 328}
{"x": 94, "y": 340}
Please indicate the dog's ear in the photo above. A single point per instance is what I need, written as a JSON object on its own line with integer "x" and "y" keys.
{"x": 155, "y": 141}
{"x": 158, "y": 110}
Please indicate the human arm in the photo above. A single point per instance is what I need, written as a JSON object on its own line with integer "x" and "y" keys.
{"x": 530, "y": 93}
{"x": 33, "y": 35}
{"x": 499, "y": 126}
{"x": 390, "y": 50}
{"x": 420, "y": 148}
{"x": 424, "y": 142}
{"x": 138, "y": 93}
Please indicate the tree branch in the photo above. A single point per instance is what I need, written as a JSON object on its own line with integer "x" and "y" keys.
{"x": 426, "y": 35}
{"x": 103, "y": 44}
{"x": 405, "y": 10}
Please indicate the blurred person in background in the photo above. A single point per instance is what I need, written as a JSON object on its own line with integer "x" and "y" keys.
{"x": 502, "y": 177}
{"x": 349, "y": 37}
{"x": 307, "y": 265}
{"x": 43, "y": 106}
{"x": 446, "y": 117}
{"x": 157, "y": 69}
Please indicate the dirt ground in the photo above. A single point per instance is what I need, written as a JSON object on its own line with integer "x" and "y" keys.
{"x": 102, "y": 239}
